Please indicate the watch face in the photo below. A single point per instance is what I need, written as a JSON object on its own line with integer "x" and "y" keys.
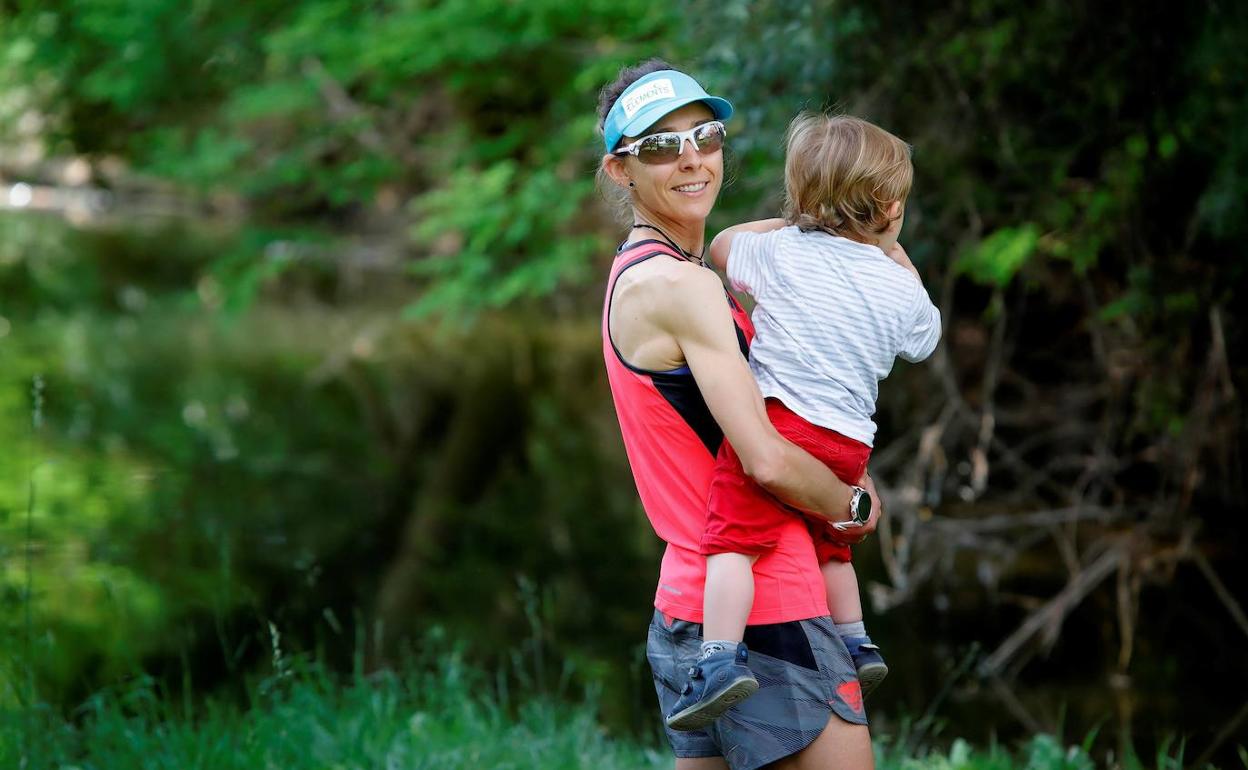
{"x": 864, "y": 507}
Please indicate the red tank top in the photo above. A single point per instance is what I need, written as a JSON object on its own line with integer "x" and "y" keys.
{"x": 671, "y": 441}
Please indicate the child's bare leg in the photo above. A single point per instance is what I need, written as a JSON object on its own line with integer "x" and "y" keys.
{"x": 841, "y": 583}
{"x": 728, "y": 596}
{"x": 721, "y": 676}
{"x": 845, "y": 606}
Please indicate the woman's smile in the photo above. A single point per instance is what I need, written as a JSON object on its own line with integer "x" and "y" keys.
{"x": 692, "y": 189}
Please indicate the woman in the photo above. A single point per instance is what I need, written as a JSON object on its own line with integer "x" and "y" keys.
{"x": 673, "y": 340}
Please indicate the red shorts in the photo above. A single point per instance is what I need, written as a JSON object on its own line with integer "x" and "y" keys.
{"x": 742, "y": 517}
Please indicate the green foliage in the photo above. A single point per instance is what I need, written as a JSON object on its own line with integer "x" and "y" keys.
{"x": 1020, "y": 154}
{"x": 1084, "y": 171}
{"x": 1073, "y": 187}
{"x": 160, "y": 489}
{"x": 996, "y": 259}
{"x": 117, "y": 69}
{"x": 436, "y": 712}
{"x": 1042, "y": 752}
{"x": 480, "y": 114}
{"x": 147, "y": 522}
{"x": 444, "y": 716}
{"x": 469, "y": 124}
{"x": 202, "y": 469}
{"x": 481, "y": 217}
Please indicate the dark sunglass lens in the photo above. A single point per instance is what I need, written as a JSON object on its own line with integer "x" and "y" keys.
{"x": 660, "y": 148}
{"x": 710, "y": 137}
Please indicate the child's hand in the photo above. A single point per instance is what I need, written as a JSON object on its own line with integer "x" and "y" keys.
{"x": 899, "y": 255}
{"x": 722, "y": 243}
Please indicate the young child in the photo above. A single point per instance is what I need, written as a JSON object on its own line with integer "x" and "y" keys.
{"x": 838, "y": 300}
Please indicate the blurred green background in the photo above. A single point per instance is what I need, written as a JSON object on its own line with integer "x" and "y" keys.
{"x": 299, "y": 338}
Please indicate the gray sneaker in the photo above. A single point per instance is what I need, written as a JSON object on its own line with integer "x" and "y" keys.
{"x": 715, "y": 684}
{"x": 870, "y": 663}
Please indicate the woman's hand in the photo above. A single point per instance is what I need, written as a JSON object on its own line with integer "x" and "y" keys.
{"x": 855, "y": 535}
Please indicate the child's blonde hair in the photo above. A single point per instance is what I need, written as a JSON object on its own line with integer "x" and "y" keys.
{"x": 842, "y": 173}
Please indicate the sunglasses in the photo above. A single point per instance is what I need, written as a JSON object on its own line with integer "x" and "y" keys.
{"x": 666, "y": 146}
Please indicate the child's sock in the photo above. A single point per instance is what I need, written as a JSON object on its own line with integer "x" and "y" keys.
{"x": 847, "y": 630}
{"x": 867, "y": 659}
{"x": 710, "y": 647}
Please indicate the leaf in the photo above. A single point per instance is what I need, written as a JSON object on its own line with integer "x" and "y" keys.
{"x": 995, "y": 260}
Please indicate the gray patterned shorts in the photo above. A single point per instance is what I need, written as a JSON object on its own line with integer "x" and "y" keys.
{"x": 804, "y": 674}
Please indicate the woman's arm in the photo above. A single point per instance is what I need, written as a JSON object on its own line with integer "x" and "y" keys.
{"x": 722, "y": 243}
{"x": 696, "y": 314}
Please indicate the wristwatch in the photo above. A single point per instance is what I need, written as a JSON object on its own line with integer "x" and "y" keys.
{"x": 859, "y": 506}
{"x": 859, "y": 510}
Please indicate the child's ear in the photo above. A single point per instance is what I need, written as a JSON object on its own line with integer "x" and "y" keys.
{"x": 894, "y": 210}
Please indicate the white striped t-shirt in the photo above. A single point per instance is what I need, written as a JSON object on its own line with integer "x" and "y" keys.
{"x": 832, "y": 316}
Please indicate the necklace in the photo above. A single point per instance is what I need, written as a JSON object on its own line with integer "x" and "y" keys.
{"x": 686, "y": 254}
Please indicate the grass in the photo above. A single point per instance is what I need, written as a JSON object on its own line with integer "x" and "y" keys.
{"x": 309, "y": 719}
{"x": 305, "y": 718}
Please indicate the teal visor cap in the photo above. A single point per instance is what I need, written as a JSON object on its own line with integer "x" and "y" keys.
{"x": 650, "y": 98}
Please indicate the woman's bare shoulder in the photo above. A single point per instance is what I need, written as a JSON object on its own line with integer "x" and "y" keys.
{"x": 667, "y": 278}
{"x": 654, "y": 303}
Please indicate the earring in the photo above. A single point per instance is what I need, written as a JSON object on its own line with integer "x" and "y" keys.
{"x": 632, "y": 184}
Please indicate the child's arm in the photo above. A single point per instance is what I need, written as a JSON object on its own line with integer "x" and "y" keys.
{"x": 925, "y": 334}
{"x": 723, "y": 242}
